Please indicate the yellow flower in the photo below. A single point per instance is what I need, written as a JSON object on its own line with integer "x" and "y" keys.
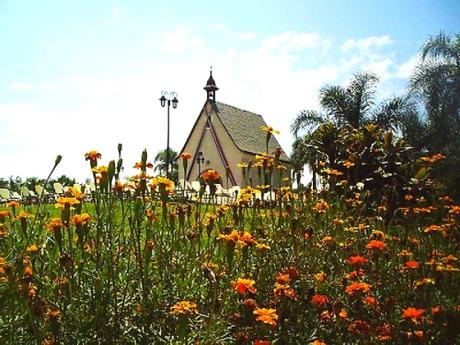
{"x": 269, "y": 129}
{"x": 184, "y": 308}
{"x": 32, "y": 249}
{"x": 54, "y": 225}
{"x": 321, "y": 206}
{"x": 80, "y": 219}
{"x": 162, "y": 181}
{"x": 64, "y": 201}
{"x": 267, "y": 316}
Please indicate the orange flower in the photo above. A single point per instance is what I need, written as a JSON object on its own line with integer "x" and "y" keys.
{"x": 413, "y": 313}
{"x": 357, "y": 287}
{"x": 32, "y": 248}
{"x": 3, "y": 215}
{"x": 433, "y": 228}
{"x": 53, "y": 314}
{"x": 150, "y": 215}
{"x": 242, "y": 285}
{"x": 375, "y": 244}
{"x": 262, "y": 342}
{"x": 64, "y": 201}
{"x": 92, "y": 155}
{"x": 12, "y": 204}
{"x": 28, "y": 271}
{"x": 412, "y": 264}
{"x": 138, "y": 165}
{"x": 80, "y": 219}
{"x": 211, "y": 175}
{"x": 267, "y": 316}
{"x": 357, "y": 260}
{"x": 319, "y": 342}
{"x": 359, "y": 327}
{"x": 185, "y": 155}
{"x": 436, "y": 310}
{"x": 319, "y": 300}
{"x": 184, "y": 308}
{"x": 321, "y": 206}
{"x": 54, "y": 224}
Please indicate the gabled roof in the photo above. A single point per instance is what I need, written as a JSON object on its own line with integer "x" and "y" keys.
{"x": 244, "y": 127}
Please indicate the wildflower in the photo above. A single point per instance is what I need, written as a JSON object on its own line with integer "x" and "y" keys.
{"x": 357, "y": 260}
{"x": 332, "y": 172}
{"x": 357, "y": 287}
{"x": 92, "y": 155}
{"x": 80, "y": 219}
{"x": 413, "y": 313}
{"x": 412, "y": 264}
{"x": 243, "y": 285}
{"x": 347, "y": 164}
{"x": 343, "y": 313}
{"x": 28, "y": 271}
{"x": 433, "y": 228}
{"x": 77, "y": 193}
{"x": 246, "y": 239}
{"x": 375, "y": 244}
{"x": 54, "y": 225}
{"x": 321, "y": 206}
{"x": 211, "y": 176}
{"x": 32, "y": 249}
{"x": 318, "y": 342}
{"x": 432, "y": 159}
{"x": 185, "y": 155}
{"x": 359, "y": 327}
{"x": 3, "y": 215}
{"x": 64, "y": 201}
{"x": 269, "y": 129}
{"x": 267, "y": 316}
{"x": 13, "y": 204}
{"x": 162, "y": 182}
{"x": 184, "y": 308}
{"x": 138, "y": 165}
{"x": 320, "y": 277}
{"x": 150, "y": 215}
{"x": 232, "y": 237}
{"x": 319, "y": 300}
{"x": 53, "y": 314}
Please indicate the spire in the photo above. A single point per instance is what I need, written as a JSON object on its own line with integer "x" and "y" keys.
{"x": 211, "y": 87}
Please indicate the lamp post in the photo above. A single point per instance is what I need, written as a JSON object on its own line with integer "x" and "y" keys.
{"x": 166, "y": 99}
{"x": 199, "y": 160}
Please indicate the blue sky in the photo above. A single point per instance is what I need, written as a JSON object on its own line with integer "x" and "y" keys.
{"x": 84, "y": 75}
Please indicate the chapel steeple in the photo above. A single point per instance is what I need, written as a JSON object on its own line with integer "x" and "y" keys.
{"x": 211, "y": 88}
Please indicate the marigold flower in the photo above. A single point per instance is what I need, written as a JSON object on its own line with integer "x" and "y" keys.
{"x": 138, "y": 165}
{"x": 262, "y": 246}
{"x": 163, "y": 181}
{"x": 32, "y": 248}
{"x": 232, "y": 237}
{"x": 64, "y": 201}
{"x": 319, "y": 342}
{"x": 359, "y": 327}
{"x": 150, "y": 215}
{"x": 269, "y": 129}
{"x": 348, "y": 164}
{"x": 357, "y": 260}
{"x": 319, "y": 300}
{"x": 357, "y": 287}
{"x": 436, "y": 310}
{"x": 184, "y": 308}
{"x": 53, "y": 314}
{"x": 433, "y": 228}
{"x": 284, "y": 290}
{"x": 246, "y": 239}
{"x": 413, "y": 313}
{"x": 412, "y": 264}
{"x": 332, "y": 172}
{"x": 13, "y": 204}
{"x": 243, "y": 285}
{"x": 432, "y": 159}
{"x": 54, "y": 225}
{"x": 185, "y": 155}
{"x": 28, "y": 271}
{"x": 267, "y": 316}
{"x": 321, "y": 206}
{"x": 92, "y": 155}
{"x": 80, "y": 219}
{"x": 211, "y": 176}
{"x": 262, "y": 342}
{"x": 343, "y": 313}
{"x": 376, "y": 244}
{"x": 3, "y": 215}
{"x": 320, "y": 277}
{"x": 455, "y": 210}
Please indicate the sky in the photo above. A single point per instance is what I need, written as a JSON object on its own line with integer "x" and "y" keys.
{"x": 86, "y": 75}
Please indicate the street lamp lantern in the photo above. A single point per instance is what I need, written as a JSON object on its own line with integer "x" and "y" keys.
{"x": 165, "y": 99}
{"x": 174, "y": 102}
{"x": 200, "y": 160}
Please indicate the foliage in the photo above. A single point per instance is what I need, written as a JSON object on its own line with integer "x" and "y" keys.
{"x": 136, "y": 266}
{"x": 160, "y": 163}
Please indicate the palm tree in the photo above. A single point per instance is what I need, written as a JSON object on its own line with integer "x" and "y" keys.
{"x": 436, "y": 83}
{"x": 160, "y": 163}
{"x": 351, "y": 106}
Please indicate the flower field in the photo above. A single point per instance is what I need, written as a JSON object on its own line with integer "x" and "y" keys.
{"x": 352, "y": 263}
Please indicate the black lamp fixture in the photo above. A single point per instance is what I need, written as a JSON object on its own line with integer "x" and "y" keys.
{"x": 200, "y": 160}
{"x": 166, "y": 99}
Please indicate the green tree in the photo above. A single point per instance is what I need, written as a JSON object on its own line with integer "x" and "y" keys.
{"x": 160, "y": 164}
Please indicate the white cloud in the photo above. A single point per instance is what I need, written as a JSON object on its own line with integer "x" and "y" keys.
{"x": 21, "y": 86}
{"x": 268, "y": 77}
{"x": 367, "y": 44}
{"x": 405, "y": 70}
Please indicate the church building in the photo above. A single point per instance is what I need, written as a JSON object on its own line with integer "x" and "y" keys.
{"x": 222, "y": 137}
